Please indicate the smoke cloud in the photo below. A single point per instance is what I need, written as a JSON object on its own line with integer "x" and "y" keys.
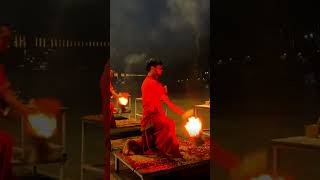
{"x": 182, "y": 13}
{"x": 135, "y": 58}
{"x": 187, "y": 13}
{"x": 144, "y": 26}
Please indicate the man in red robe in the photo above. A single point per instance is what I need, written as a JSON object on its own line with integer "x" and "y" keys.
{"x": 7, "y": 97}
{"x": 158, "y": 131}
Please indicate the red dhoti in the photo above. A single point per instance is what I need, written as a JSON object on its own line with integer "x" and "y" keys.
{"x": 6, "y": 144}
{"x": 159, "y": 135}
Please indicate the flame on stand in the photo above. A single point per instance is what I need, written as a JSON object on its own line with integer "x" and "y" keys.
{"x": 42, "y": 125}
{"x": 123, "y": 101}
{"x": 193, "y": 126}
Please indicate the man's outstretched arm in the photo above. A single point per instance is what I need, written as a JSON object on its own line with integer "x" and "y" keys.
{"x": 172, "y": 106}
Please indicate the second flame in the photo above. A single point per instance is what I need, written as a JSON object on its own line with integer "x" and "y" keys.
{"x": 193, "y": 126}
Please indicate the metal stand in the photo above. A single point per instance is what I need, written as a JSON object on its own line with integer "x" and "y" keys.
{"x": 85, "y": 166}
{"x": 115, "y": 133}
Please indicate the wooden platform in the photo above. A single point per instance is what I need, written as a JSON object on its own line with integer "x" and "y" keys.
{"x": 148, "y": 166}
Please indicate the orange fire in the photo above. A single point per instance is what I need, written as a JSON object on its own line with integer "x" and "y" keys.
{"x": 193, "y": 126}
{"x": 123, "y": 101}
{"x": 42, "y": 125}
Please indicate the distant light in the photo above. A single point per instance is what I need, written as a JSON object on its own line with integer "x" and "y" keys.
{"x": 306, "y": 36}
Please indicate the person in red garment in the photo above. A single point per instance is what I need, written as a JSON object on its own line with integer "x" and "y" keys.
{"x": 115, "y": 95}
{"x": 7, "y": 97}
{"x": 106, "y": 114}
{"x": 158, "y": 131}
{"x": 107, "y": 110}
{"x": 107, "y": 95}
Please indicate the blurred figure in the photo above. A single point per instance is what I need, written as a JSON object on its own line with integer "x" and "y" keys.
{"x": 115, "y": 96}
{"x": 107, "y": 92}
{"x": 106, "y": 114}
{"x": 7, "y": 97}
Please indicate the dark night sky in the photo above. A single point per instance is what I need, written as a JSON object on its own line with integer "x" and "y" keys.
{"x": 254, "y": 27}
{"x": 164, "y": 29}
{"x": 64, "y": 18}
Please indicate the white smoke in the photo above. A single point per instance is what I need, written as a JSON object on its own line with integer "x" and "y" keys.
{"x": 178, "y": 15}
{"x": 187, "y": 13}
{"x": 135, "y": 59}
{"x": 127, "y": 28}
{"x": 184, "y": 13}
{"x": 123, "y": 23}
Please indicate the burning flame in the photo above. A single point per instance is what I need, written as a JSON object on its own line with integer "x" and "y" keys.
{"x": 193, "y": 126}
{"x": 123, "y": 101}
{"x": 42, "y": 125}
